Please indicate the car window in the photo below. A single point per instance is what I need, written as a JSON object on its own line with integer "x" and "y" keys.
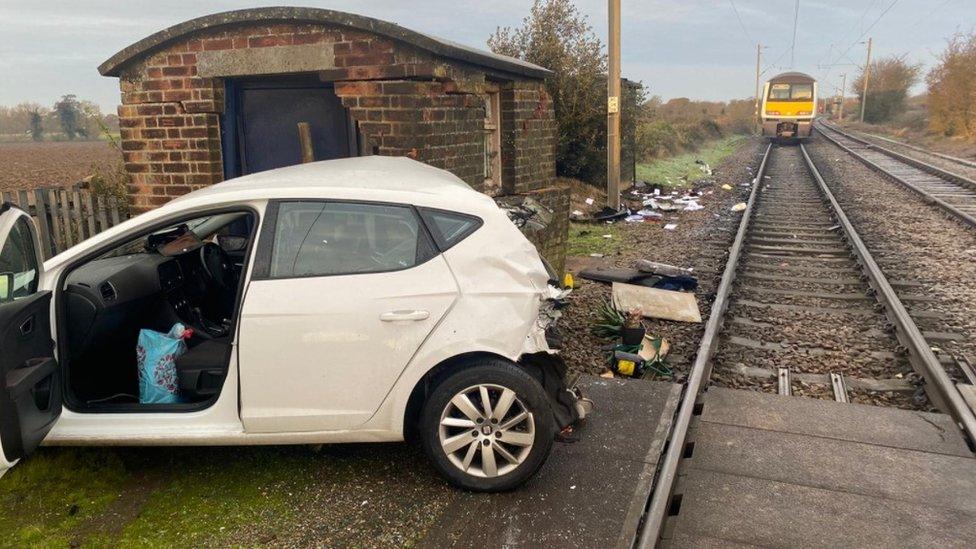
{"x": 18, "y": 262}
{"x": 449, "y": 228}
{"x": 332, "y": 238}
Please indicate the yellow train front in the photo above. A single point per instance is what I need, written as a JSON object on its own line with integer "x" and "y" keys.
{"x": 788, "y": 106}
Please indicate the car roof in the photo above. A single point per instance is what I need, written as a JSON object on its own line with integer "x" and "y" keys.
{"x": 374, "y": 178}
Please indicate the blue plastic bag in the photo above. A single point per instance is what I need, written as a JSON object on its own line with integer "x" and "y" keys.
{"x": 156, "y": 354}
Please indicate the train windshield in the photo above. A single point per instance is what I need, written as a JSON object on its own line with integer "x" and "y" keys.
{"x": 790, "y": 92}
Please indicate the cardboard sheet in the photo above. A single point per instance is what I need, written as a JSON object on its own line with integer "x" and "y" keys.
{"x": 655, "y": 303}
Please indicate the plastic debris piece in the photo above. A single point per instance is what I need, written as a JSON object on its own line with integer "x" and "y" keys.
{"x": 671, "y": 226}
{"x": 635, "y": 218}
{"x": 693, "y": 206}
{"x": 727, "y": 187}
{"x": 739, "y": 207}
{"x": 608, "y": 236}
{"x": 589, "y": 201}
{"x": 665, "y": 269}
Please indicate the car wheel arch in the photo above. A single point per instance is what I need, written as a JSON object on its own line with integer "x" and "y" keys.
{"x": 434, "y": 376}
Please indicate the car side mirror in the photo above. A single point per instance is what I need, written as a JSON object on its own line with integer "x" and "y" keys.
{"x": 6, "y": 287}
{"x": 232, "y": 243}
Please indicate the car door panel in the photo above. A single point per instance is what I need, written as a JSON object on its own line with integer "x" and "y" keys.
{"x": 30, "y": 379}
{"x": 31, "y": 398}
{"x": 321, "y": 353}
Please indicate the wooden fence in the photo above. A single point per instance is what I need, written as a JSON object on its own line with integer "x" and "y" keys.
{"x": 66, "y": 215}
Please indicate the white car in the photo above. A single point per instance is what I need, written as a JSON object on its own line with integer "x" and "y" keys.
{"x": 353, "y": 300}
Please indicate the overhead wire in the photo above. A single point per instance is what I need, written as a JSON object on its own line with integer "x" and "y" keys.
{"x": 866, "y": 31}
{"x": 796, "y": 16}
{"x": 741, "y": 24}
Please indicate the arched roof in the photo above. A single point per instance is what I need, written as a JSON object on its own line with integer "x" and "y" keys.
{"x": 438, "y": 46}
{"x": 793, "y": 77}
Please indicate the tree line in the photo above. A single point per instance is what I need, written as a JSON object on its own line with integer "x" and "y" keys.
{"x": 556, "y": 36}
{"x": 67, "y": 119}
{"x": 950, "y": 96}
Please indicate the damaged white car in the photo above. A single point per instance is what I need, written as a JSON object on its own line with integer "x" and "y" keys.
{"x": 356, "y": 300}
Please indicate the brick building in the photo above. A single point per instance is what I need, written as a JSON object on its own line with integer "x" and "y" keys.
{"x": 222, "y": 95}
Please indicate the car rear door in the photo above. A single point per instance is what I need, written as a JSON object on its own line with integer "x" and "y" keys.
{"x": 30, "y": 384}
{"x": 342, "y": 296}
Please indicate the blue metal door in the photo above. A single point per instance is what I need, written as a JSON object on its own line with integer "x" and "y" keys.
{"x": 261, "y": 124}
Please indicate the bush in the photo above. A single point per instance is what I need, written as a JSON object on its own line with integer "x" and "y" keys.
{"x": 952, "y": 89}
{"x": 888, "y": 85}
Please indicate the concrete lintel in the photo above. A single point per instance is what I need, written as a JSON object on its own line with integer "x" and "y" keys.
{"x": 263, "y": 61}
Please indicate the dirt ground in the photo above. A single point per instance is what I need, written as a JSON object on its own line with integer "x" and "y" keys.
{"x": 50, "y": 164}
{"x": 700, "y": 241}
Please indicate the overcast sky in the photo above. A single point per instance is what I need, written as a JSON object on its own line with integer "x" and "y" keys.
{"x": 678, "y": 48}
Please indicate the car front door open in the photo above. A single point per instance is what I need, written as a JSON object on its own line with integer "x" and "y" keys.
{"x": 30, "y": 381}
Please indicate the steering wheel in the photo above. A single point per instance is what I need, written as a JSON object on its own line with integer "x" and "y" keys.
{"x": 216, "y": 264}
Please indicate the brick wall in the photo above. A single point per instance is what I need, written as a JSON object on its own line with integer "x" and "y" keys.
{"x": 420, "y": 120}
{"x": 551, "y": 240}
{"x": 528, "y": 138}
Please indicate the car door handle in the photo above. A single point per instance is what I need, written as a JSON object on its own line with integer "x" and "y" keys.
{"x": 27, "y": 328}
{"x": 393, "y": 316}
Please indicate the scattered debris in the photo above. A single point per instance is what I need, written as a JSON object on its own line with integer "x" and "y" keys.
{"x": 727, "y": 187}
{"x": 526, "y": 212}
{"x": 648, "y": 266}
{"x": 671, "y": 226}
{"x": 630, "y": 276}
{"x": 656, "y": 303}
{"x": 739, "y": 207}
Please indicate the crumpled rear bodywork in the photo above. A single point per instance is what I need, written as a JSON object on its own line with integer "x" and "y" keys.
{"x": 505, "y": 285}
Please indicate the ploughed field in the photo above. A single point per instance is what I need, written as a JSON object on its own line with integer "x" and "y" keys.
{"x": 48, "y": 164}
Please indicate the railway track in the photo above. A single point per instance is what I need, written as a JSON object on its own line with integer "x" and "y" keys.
{"x": 933, "y": 155}
{"x": 952, "y": 191}
{"x": 803, "y": 309}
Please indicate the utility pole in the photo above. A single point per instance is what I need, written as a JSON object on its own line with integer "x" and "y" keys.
{"x": 758, "y": 58}
{"x": 867, "y": 76}
{"x": 843, "y": 92}
{"x": 613, "y": 108}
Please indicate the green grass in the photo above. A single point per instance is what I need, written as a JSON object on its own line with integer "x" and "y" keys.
{"x": 682, "y": 169}
{"x": 587, "y": 238}
{"x": 45, "y": 499}
{"x": 199, "y": 496}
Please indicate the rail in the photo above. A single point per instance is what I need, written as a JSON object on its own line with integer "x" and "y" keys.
{"x": 667, "y": 473}
{"x": 938, "y": 384}
{"x": 956, "y": 159}
{"x": 947, "y": 176}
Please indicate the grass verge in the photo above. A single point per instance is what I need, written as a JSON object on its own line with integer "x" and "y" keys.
{"x": 588, "y": 238}
{"x": 681, "y": 170}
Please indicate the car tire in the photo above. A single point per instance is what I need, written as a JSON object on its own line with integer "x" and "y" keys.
{"x": 488, "y": 450}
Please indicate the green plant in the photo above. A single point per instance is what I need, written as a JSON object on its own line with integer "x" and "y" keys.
{"x": 610, "y": 321}
{"x": 111, "y": 184}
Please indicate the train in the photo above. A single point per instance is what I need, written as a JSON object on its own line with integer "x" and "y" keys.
{"x": 789, "y": 105}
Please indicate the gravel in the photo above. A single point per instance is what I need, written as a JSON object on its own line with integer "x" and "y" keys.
{"x": 700, "y": 241}
{"x": 911, "y": 241}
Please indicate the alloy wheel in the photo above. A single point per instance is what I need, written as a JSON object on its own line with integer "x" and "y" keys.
{"x": 486, "y": 430}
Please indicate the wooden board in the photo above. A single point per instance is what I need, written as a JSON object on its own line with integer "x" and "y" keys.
{"x": 655, "y": 303}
